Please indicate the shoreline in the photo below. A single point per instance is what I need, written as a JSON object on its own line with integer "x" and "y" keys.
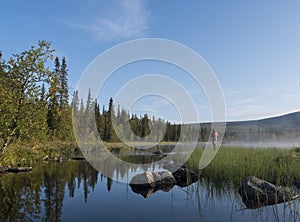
{"x": 57, "y": 151}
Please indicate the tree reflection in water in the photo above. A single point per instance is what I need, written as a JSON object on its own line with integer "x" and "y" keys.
{"x": 24, "y": 196}
{"x": 40, "y": 195}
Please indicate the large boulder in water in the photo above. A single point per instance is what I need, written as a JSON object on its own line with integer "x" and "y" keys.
{"x": 184, "y": 177}
{"x": 257, "y": 193}
{"x": 153, "y": 178}
{"x": 149, "y": 182}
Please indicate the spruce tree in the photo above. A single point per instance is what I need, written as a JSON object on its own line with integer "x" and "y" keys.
{"x": 75, "y": 102}
{"x": 63, "y": 89}
{"x": 65, "y": 121}
{"x": 53, "y": 106}
{"x": 145, "y": 126}
{"x": 108, "y": 121}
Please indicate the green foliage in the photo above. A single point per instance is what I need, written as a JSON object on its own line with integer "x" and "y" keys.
{"x": 21, "y": 79}
{"x": 31, "y": 154}
{"x": 59, "y": 111}
{"x": 33, "y": 99}
{"x": 53, "y": 105}
{"x": 63, "y": 81}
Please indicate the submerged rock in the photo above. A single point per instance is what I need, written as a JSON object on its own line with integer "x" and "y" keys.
{"x": 257, "y": 193}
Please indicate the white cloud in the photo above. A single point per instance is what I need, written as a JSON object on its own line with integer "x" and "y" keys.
{"x": 121, "y": 20}
{"x": 146, "y": 109}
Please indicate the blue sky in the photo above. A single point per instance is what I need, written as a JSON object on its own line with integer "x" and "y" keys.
{"x": 253, "y": 47}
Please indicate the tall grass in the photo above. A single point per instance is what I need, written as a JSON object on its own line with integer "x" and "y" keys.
{"x": 232, "y": 165}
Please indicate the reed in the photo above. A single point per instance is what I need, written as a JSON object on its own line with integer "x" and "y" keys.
{"x": 232, "y": 165}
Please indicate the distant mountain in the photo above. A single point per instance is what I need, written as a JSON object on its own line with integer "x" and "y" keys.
{"x": 285, "y": 127}
{"x": 288, "y": 121}
{"x": 275, "y": 128}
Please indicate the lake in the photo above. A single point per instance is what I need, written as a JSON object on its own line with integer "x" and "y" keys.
{"x": 75, "y": 191}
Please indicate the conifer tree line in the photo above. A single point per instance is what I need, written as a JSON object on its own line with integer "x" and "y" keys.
{"x": 138, "y": 127}
{"x": 34, "y": 106}
{"x": 89, "y": 112}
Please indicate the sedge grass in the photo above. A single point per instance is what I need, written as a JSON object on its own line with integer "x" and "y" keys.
{"x": 232, "y": 165}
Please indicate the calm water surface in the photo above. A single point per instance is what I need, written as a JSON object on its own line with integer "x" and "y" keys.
{"x": 74, "y": 191}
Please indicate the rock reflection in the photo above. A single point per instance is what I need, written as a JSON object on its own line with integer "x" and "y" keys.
{"x": 147, "y": 191}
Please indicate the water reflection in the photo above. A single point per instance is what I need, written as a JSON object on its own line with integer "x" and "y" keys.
{"x": 139, "y": 161}
{"x": 76, "y": 191}
{"x": 29, "y": 195}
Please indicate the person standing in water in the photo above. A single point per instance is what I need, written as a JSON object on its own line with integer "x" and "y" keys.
{"x": 214, "y": 136}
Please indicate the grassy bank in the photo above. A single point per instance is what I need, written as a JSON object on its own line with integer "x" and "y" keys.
{"x": 232, "y": 165}
{"x": 25, "y": 155}
{"x": 20, "y": 154}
